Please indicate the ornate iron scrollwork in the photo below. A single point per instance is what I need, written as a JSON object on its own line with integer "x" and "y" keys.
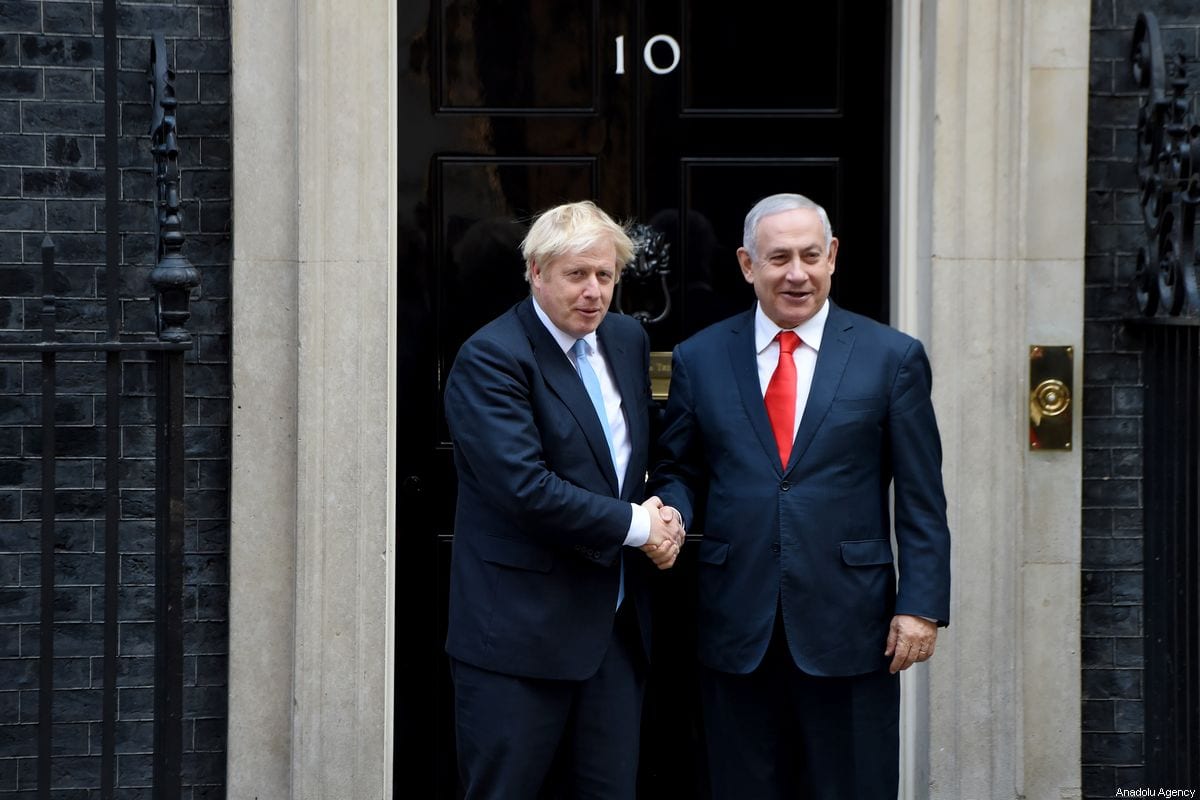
{"x": 651, "y": 261}
{"x": 173, "y": 276}
{"x": 1168, "y": 164}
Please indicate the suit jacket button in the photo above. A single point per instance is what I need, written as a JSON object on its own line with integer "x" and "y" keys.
{"x": 783, "y": 487}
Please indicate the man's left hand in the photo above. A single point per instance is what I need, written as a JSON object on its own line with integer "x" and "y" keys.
{"x": 911, "y": 639}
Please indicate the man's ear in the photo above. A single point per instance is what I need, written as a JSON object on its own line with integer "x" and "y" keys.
{"x": 747, "y": 264}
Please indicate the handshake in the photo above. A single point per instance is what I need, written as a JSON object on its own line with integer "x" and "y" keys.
{"x": 666, "y": 533}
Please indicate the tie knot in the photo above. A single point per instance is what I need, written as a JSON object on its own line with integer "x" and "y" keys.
{"x": 788, "y": 341}
{"x": 580, "y": 348}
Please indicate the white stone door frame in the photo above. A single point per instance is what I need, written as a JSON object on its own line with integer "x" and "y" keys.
{"x": 989, "y": 177}
{"x": 313, "y": 506}
{"x": 987, "y": 204}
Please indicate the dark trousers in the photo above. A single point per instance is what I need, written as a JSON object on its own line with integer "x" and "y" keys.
{"x": 780, "y": 734}
{"x": 512, "y": 732}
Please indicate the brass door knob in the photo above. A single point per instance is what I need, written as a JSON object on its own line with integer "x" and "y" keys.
{"x": 1051, "y": 410}
{"x": 1049, "y": 398}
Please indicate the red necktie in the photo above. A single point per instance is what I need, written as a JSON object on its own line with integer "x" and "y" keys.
{"x": 781, "y": 395}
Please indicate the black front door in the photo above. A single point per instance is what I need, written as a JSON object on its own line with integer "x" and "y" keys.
{"x": 673, "y": 115}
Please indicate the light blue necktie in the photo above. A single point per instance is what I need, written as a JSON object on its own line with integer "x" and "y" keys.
{"x": 592, "y": 384}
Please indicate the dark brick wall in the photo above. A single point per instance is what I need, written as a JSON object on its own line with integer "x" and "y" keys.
{"x": 52, "y": 181}
{"x": 1113, "y": 713}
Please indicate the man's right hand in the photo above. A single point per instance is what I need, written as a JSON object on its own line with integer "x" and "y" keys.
{"x": 666, "y": 534}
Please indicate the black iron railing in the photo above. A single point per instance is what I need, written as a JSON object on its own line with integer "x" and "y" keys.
{"x": 1168, "y": 268}
{"x": 172, "y": 279}
{"x": 1167, "y": 292}
{"x": 1172, "y": 555}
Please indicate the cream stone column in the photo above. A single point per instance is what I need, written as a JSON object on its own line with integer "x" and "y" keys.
{"x": 913, "y": 37}
{"x": 344, "y": 605}
{"x": 314, "y": 348}
{"x": 1054, "y": 194}
{"x": 264, "y": 359}
{"x": 1006, "y": 215}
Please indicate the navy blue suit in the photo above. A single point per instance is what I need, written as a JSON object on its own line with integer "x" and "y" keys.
{"x": 798, "y": 559}
{"x": 538, "y": 536}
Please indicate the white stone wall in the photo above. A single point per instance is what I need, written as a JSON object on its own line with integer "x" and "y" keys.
{"x": 265, "y": 398}
{"x": 1007, "y": 241}
{"x": 312, "y": 576}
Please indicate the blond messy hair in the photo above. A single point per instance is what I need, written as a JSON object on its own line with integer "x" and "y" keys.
{"x": 573, "y": 228}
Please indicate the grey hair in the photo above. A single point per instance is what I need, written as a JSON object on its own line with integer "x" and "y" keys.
{"x": 776, "y": 204}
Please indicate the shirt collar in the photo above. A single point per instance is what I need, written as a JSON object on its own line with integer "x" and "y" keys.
{"x": 809, "y": 331}
{"x": 565, "y": 340}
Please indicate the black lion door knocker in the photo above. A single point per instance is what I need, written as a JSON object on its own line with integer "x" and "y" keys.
{"x": 651, "y": 261}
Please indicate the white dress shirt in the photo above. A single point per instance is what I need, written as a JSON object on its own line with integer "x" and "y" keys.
{"x": 805, "y": 356}
{"x": 639, "y": 526}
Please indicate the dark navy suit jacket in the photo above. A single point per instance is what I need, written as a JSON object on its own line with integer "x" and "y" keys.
{"x": 539, "y": 525}
{"x": 812, "y": 538}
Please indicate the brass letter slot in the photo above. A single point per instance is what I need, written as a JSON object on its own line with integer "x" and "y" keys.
{"x": 660, "y": 373}
{"x": 1051, "y": 405}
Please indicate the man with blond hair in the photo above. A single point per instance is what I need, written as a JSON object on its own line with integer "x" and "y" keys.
{"x": 549, "y": 633}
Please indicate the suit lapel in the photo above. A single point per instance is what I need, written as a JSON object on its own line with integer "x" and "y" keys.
{"x": 624, "y": 369}
{"x": 744, "y": 358}
{"x": 559, "y": 374}
{"x": 836, "y": 345}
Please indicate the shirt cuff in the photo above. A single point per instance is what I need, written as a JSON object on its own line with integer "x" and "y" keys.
{"x": 639, "y": 527}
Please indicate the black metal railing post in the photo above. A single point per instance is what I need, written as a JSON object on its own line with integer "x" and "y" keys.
{"x": 173, "y": 279}
{"x": 168, "y": 554}
{"x": 49, "y": 315}
{"x": 112, "y": 409}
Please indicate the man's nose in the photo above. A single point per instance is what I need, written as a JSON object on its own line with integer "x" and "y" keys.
{"x": 591, "y": 286}
{"x": 797, "y": 271}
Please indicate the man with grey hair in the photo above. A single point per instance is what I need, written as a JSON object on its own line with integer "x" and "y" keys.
{"x": 785, "y": 428}
{"x": 549, "y": 631}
